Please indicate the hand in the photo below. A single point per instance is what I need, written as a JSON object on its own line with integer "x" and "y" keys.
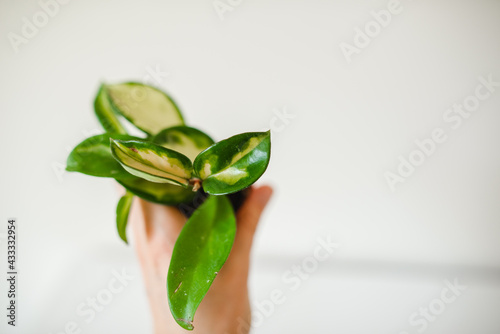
{"x": 226, "y": 308}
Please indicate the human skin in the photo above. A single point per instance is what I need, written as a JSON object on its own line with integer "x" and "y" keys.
{"x": 226, "y": 308}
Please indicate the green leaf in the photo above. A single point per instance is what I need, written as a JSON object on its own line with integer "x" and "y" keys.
{"x": 122, "y": 211}
{"x": 148, "y": 108}
{"x": 235, "y": 163}
{"x": 162, "y": 193}
{"x": 186, "y": 140}
{"x": 93, "y": 157}
{"x": 199, "y": 253}
{"x": 105, "y": 113}
{"x": 152, "y": 162}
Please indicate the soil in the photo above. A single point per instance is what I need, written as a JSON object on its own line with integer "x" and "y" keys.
{"x": 237, "y": 199}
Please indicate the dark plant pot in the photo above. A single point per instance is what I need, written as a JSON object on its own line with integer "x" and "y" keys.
{"x": 237, "y": 199}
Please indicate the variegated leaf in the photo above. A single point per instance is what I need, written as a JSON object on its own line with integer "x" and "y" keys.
{"x": 148, "y": 108}
{"x": 105, "y": 113}
{"x": 152, "y": 162}
{"x": 235, "y": 163}
{"x": 186, "y": 140}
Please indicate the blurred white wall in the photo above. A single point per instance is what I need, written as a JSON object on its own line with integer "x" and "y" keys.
{"x": 350, "y": 119}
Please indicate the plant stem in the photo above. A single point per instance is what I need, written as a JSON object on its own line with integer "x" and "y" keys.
{"x": 196, "y": 183}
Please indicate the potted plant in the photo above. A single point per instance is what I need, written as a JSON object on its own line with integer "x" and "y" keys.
{"x": 177, "y": 165}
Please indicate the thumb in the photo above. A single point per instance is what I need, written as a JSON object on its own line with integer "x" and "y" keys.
{"x": 248, "y": 216}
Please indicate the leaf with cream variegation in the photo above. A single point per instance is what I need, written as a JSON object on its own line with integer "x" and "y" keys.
{"x": 235, "y": 163}
{"x": 152, "y": 162}
{"x": 105, "y": 112}
{"x": 147, "y": 107}
{"x": 184, "y": 139}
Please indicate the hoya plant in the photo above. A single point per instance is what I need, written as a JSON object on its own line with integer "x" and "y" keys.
{"x": 177, "y": 165}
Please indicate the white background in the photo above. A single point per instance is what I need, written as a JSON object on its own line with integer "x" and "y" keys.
{"x": 351, "y": 123}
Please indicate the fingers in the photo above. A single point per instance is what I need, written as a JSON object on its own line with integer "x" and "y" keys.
{"x": 162, "y": 223}
{"x": 248, "y": 216}
{"x": 155, "y": 230}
